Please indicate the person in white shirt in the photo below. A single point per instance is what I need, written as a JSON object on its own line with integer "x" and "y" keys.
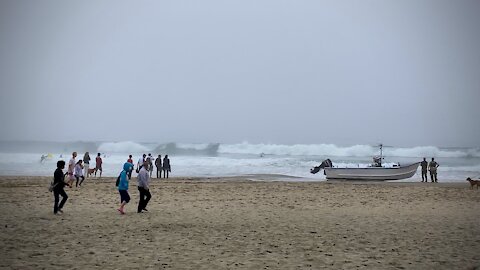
{"x": 150, "y": 164}
{"x": 140, "y": 162}
{"x": 78, "y": 173}
{"x": 71, "y": 167}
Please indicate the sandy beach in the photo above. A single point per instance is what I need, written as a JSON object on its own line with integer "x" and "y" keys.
{"x": 234, "y": 223}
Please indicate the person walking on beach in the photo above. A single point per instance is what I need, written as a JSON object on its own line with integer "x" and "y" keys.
{"x": 71, "y": 167}
{"x": 59, "y": 183}
{"x": 432, "y": 166}
{"x": 158, "y": 165}
{"x": 86, "y": 164}
{"x": 166, "y": 166}
{"x": 78, "y": 173}
{"x": 140, "y": 162}
{"x": 143, "y": 187}
{"x": 123, "y": 186}
{"x": 98, "y": 165}
{"x": 424, "y": 165}
{"x": 130, "y": 160}
{"x": 150, "y": 164}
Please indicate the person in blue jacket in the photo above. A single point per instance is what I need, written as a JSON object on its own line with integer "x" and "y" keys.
{"x": 123, "y": 186}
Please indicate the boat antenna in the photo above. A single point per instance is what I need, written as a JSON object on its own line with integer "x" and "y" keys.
{"x": 381, "y": 152}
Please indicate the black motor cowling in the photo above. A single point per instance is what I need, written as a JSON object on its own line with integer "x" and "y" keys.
{"x": 325, "y": 164}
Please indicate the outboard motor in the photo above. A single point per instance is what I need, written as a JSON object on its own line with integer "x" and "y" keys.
{"x": 325, "y": 164}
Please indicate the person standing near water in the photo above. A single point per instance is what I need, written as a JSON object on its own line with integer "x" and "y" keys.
{"x": 59, "y": 183}
{"x": 140, "y": 162}
{"x": 98, "y": 165}
{"x": 86, "y": 163}
{"x": 158, "y": 165}
{"x": 144, "y": 188}
{"x": 424, "y": 165}
{"x": 150, "y": 164}
{"x": 166, "y": 166}
{"x": 433, "y": 165}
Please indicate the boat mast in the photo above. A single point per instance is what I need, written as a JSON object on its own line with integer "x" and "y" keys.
{"x": 381, "y": 153}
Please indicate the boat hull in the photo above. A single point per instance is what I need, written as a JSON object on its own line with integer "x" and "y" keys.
{"x": 372, "y": 173}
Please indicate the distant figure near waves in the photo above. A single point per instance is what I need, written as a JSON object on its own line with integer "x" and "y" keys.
{"x": 424, "y": 165}
{"x": 433, "y": 165}
{"x": 166, "y": 166}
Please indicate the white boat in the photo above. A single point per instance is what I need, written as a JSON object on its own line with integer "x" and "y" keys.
{"x": 372, "y": 173}
{"x": 375, "y": 172}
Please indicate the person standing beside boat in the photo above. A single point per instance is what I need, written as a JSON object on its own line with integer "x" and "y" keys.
{"x": 424, "y": 165}
{"x": 432, "y": 166}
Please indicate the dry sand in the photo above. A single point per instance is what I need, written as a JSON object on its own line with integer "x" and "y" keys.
{"x": 239, "y": 224}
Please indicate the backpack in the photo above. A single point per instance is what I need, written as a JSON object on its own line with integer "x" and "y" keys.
{"x": 118, "y": 181}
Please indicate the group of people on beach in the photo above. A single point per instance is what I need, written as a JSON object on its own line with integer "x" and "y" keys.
{"x": 150, "y": 160}
{"x": 429, "y": 166}
{"x": 80, "y": 169}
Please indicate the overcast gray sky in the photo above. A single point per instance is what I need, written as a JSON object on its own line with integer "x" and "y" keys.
{"x": 405, "y": 73}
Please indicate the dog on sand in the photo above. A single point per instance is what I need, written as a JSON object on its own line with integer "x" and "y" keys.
{"x": 473, "y": 182}
{"x": 91, "y": 171}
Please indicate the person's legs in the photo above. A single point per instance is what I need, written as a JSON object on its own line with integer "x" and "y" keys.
{"x": 83, "y": 178}
{"x": 166, "y": 173}
{"x": 142, "y": 199}
{"x": 57, "y": 199}
{"x": 147, "y": 199}
{"x": 130, "y": 175}
{"x": 435, "y": 175}
{"x": 124, "y": 199}
{"x": 76, "y": 183}
{"x": 64, "y": 199}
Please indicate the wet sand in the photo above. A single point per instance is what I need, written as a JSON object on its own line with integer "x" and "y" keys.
{"x": 234, "y": 223}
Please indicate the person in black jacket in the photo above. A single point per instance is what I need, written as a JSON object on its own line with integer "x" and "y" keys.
{"x": 58, "y": 181}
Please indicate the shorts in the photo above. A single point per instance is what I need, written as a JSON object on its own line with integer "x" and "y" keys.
{"x": 98, "y": 167}
{"x": 124, "y": 197}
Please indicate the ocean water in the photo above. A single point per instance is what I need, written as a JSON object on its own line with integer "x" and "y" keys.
{"x": 243, "y": 159}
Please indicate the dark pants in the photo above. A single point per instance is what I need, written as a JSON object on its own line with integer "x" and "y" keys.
{"x": 144, "y": 198}
{"x": 78, "y": 177}
{"x": 433, "y": 176}
{"x": 165, "y": 173}
{"x": 56, "y": 193}
{"x": 129, "y": 174}
{"x": 424, "y": 176}
{"x": 159, "y": 172}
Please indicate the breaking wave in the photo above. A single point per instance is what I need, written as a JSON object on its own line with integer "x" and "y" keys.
{"x": 122, "y": 147}
{"x": 348, "y": 151}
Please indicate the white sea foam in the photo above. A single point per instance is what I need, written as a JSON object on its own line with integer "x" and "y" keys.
{"x": 332, "y": 150}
